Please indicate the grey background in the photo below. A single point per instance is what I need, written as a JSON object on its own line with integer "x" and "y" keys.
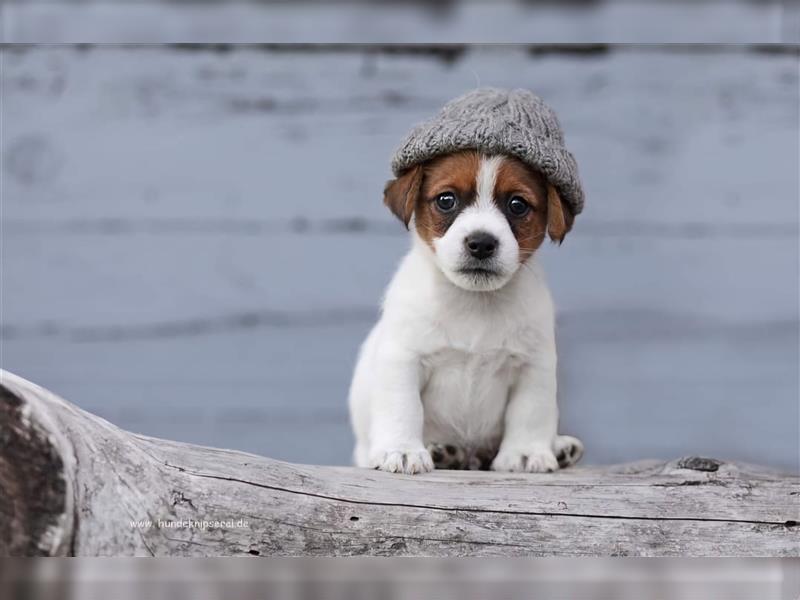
{"x": 400, "y": 21}
{"x": 194, "y": 245}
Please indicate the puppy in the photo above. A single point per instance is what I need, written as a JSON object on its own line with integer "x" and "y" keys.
{"x": 462, "y": 363}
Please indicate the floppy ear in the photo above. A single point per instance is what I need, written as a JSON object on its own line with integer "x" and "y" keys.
{"x": 400, "y": 194}
{"x": 559, "y": 215}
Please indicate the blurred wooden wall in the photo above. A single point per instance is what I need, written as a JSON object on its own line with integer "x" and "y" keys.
{"x": 401, "y": 21}
{"x": 194, "y": 244}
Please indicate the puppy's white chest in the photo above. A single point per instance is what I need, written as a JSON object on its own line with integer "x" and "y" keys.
{"x": 465, "y": 395}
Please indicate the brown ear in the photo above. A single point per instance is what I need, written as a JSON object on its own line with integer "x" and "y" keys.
{"x": 400, "y": 194}
{"x": 559, "y": 216}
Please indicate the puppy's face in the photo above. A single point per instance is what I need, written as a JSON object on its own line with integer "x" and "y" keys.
{"x": 483, "y": 216}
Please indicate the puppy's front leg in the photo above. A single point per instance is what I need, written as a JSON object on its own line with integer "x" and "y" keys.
{"x": 531, "y": 422}
{"x": 397, "y": 418}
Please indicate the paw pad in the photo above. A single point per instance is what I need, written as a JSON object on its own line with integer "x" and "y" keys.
{"x": 455, "y": 457}
{"x": 568, "y": 450}
{"x": 447, "y": 456}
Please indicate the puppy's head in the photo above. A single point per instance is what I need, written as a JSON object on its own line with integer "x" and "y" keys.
{"x": 482, "y": 216}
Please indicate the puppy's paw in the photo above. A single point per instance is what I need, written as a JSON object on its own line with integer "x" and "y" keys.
{"x": 532, "y": 459}
{"x": 402, "y": 460}
{"x": 448, "y": 456}
{"x": 568, "y": 450}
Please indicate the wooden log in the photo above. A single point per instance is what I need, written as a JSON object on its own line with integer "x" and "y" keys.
{"x": 73, "y": 484}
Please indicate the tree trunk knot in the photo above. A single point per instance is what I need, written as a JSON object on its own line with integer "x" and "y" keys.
{"x": 698, "y": 463}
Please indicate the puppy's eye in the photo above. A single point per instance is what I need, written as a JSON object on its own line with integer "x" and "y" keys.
{"x": 518, "y": 207}
{"x": 446, "y": 202}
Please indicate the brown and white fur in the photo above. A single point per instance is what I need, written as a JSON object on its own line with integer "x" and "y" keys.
{"x": 462, "y": 363}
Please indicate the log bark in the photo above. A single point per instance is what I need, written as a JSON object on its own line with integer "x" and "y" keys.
{"x": 73, "y": 484}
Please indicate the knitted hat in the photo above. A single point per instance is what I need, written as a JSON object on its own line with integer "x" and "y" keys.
{"x": 495, "y": 121}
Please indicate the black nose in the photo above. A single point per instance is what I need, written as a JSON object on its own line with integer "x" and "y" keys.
{"x": 481, "y": 244}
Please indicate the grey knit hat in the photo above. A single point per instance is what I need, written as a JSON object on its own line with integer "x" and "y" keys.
{"x": 495, "y": 121}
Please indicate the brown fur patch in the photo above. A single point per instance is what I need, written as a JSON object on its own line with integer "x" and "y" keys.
{"x": 515, "y": 178}
{"x": 559, "y": 216}
{"x": 401, "y": 194}
{"x": 456, "y": 173}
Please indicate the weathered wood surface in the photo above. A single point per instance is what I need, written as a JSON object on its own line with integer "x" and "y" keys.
{"x": 73, "y": 484}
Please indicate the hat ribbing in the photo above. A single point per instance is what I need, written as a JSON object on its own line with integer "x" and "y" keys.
{"x": 495, "y": 121}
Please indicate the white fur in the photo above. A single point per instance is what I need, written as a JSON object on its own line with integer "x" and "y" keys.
{"x": 450, "y": 364}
